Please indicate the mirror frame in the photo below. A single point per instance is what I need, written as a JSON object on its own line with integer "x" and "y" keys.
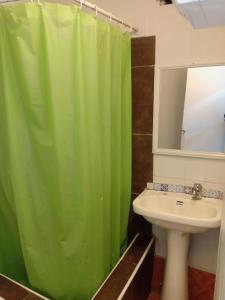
{"x": 176, "y": 152}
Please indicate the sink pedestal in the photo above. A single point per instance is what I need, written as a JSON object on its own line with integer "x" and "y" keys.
{"x": 175, "y": 284}
{"x": 181, "y": 216}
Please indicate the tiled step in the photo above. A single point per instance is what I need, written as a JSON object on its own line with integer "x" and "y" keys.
{"x": 131, "y": 277}
{"x": 10, "y": 290}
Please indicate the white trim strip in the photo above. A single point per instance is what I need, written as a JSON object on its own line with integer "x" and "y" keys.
{"x": 136, "y": 270}
{"x": 128, "y": 248}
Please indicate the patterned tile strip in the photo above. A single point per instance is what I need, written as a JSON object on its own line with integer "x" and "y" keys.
{"x": 183, "y": 189}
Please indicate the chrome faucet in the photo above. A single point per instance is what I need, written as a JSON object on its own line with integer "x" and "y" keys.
{"x": 197, "y": 191}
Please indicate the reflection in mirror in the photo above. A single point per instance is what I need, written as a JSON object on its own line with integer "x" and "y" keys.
{"x": 192, "y": 109}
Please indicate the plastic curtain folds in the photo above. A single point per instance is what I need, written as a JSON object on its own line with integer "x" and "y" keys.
{"x": 65, "y": 147}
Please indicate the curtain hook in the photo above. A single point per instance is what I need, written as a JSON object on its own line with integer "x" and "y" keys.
{"x": 122, "y": 24}
{"x": 81, "y": 4}
{"x": 96, "y": 11}
{"x": 110, "y": 18}
{"x": 131, "y": 28}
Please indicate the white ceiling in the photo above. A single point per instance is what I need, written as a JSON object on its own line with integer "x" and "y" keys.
{"x": 203, "y": 13}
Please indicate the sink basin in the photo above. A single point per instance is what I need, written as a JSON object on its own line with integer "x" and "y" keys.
{"x": 178, "y": 211}
{"x": 181, "y": 216}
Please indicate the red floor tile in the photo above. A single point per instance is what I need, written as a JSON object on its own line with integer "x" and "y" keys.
{"x": 157, "y": 273}
{"x": 201, "y": 284}
{"x": 155, "y": 295}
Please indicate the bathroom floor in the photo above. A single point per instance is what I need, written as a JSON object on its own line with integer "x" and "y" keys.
{"x": 201, "y": 284}
{"x": 12, "y": 291}
{"x": 155, "y": 295}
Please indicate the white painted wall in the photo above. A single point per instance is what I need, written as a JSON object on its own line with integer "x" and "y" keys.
{"x": 177, "y": 44}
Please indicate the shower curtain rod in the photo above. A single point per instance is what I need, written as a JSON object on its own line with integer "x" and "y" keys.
{"x": 95, "y": 8}
{"x": 106, "y": 14}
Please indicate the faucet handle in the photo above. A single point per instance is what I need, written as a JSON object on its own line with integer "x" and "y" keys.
{"x": 198, "y": 187}
{"x": 197, "y": 191}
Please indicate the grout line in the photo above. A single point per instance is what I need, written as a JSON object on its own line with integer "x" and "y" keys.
{"x": 26, "y": 297}
{"x": 26, "y": 288}
{"x": 148, "y": 134}
{"x": 145, "y": 66}
{"x": 121, "y": 258}
{"x": 136, "y": 270}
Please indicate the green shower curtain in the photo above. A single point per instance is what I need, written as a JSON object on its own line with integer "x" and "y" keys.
{"x": 65, "y": 147}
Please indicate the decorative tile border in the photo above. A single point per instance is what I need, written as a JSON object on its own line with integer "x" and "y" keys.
{"x": 182, "y": 189}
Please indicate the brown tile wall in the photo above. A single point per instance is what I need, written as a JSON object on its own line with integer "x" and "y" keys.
{"x": 143, "y": 62}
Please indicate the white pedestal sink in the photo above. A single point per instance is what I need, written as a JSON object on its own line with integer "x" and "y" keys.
{"x": 181, "y": 216}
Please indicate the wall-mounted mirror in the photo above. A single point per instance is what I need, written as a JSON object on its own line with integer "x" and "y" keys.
{"x": 190, "y": 116}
